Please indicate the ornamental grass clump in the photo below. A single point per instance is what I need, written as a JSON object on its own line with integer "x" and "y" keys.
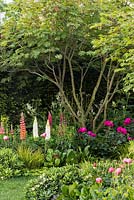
{"x": 31, "y": 159}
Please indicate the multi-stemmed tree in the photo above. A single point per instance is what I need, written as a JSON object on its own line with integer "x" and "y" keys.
{"x": 66, "y": 43}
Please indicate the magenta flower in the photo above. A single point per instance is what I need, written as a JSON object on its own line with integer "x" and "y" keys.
{"x": 99, "y": 180}
{"x": 130, "y": 138}
{"x": 43, "y": 135}
{"x": 127, "y": 160}
{"x": 108, "y": 123}
{"x": 118, "y": 171}
{"x": 5, "y": 138}
{"x": 82, "y": 130}
{"x": 127, "y": 121}
{"x": 90, "y": 133}
{"x": 122, "y": 130}
{"x": 111, "y": 169}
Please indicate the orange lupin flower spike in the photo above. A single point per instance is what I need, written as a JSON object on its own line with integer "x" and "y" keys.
{"x": 22, "y": 127}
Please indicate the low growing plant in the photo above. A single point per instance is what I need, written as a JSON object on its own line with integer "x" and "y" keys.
{"x": 10, "y": 165}
{"x": 48, "y": 186}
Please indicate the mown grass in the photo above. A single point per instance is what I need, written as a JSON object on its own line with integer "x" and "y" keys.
{"x": 13, "y": 189}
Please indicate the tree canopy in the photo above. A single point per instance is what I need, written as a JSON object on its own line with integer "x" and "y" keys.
{"x": 65, "y": 42}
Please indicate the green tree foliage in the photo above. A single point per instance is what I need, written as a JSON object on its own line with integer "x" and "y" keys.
{"x": 117, "y": 41}
{"x": 65, "y": 42}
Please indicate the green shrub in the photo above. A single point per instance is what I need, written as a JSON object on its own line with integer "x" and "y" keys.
{"x": 130, "y": 149}
{"x": 48, "y": 186}
{"x": 10, "y": 164}
{"x": 112, "y": 139}
{"x": 31, "y": 159}
{"x": 108, "y": 144}
{"x": 73, "y": 183}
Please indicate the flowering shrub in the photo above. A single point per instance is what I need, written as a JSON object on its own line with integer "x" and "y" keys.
{"x": 83, "y": 138}
{"x": 108, "y": 180}
{"x": 112, "y": 138}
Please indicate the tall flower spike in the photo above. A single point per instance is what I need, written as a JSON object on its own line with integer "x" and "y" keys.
{"x": 50, "y": 118}
{"x": 61, "y": 118}
{"x": 2, "y": 131}
{"x": 11, "y": 130}
{"x": 22, "y": 127}
{"x": 35, "y": 128}
{"x": 47, "y": 130}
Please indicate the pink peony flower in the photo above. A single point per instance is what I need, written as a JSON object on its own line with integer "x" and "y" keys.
{"x": 108, "y": 123}
{"x": 127, "y": 160}
{"x": 82, "y": 130}
{"x": 111, "y": 169}
{"x": 127, "y": 121}
{"x": 99, "y": 180}
{"x": 5, "y": 138}
{"x": 122, "y": 130}
{"x": 118, "y": 171}
{"x": 43, "y": 135}
{"x": 90, "y": 133}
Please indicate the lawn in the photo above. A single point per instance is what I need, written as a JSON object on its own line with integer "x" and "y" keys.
{"x": 13, "y": 189}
